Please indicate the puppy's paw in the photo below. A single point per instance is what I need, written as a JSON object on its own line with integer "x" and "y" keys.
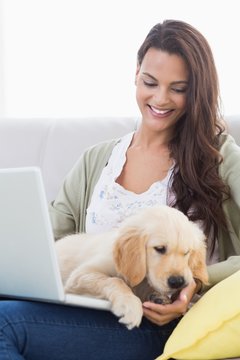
{"x": 158, "y": 298}
{"x": 72, "y": 285}
{"x": 163, "y": 299}
{"x": 129, "y": 309}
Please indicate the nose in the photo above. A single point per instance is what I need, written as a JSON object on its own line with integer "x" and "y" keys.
{"x": 176, "y": 282}
{"x": 161, "y": 96}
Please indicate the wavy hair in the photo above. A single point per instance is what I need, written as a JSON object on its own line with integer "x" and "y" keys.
{"x": 199, "y": 190}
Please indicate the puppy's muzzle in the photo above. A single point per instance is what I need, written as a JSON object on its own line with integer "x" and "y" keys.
{"x": 175, "y": 283}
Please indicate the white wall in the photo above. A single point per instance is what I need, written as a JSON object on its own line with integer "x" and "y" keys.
{"x": 66, "y": 58}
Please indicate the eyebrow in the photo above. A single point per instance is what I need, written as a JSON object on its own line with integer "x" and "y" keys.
{"x": 174, "y": 82}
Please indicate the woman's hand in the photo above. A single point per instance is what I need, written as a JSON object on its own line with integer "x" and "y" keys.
{"x": 163, "y": 314}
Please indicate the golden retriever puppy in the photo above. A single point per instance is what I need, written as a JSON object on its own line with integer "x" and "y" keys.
{"x": 150, "y": 256}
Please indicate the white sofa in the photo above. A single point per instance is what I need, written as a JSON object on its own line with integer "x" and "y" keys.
{"x": 55, "y": 144}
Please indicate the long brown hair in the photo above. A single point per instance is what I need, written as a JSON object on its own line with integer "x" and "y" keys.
{"x": 199, "y": 190}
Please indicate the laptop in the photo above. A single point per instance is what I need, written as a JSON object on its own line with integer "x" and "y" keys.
{"x": 28, "y": 262}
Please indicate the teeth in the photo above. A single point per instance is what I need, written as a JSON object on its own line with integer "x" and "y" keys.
{"x": 162, "y": 112}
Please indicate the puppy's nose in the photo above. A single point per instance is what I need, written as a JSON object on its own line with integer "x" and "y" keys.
{"x": 176, "y": 282}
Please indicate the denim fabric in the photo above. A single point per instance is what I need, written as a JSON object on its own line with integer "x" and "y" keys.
{"x": 41, "y": 331}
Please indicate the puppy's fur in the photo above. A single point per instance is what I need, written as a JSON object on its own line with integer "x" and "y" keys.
{"x": 151, "y": 255}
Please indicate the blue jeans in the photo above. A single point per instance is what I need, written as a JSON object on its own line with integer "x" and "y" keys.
{"x": 42, "y": 331}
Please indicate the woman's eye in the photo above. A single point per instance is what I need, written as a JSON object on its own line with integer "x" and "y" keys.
{"x": 179, "y": 90}
{"x": 149, "y": 84}
{"x": 161, "y": 249}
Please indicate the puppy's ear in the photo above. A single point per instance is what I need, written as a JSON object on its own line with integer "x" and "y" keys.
{"x": 130, "y": 255}
{"x": 197, "y": 263}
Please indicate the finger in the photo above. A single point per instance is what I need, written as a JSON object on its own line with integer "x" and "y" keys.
{"x": 160, "y": 309}
{"x": 159, "y": 319}
{"x": 162, "y": 315}
{"x": 179, "y": 306}
{"x": 183, "y": 297}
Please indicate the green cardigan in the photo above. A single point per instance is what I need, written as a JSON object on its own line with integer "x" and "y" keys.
{"x": 68, "y": 211}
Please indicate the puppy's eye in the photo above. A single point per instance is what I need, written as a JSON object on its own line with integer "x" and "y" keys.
{"x": 160, "y": 249}
{"x": 186, "y": 253}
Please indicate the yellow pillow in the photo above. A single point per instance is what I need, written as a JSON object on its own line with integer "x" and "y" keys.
{"x": 211, "y": 328}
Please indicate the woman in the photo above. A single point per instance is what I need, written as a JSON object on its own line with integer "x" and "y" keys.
{"x": 179, "y": 156}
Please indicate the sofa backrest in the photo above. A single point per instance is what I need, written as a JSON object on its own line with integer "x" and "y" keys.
{"x": 55, "y": 144}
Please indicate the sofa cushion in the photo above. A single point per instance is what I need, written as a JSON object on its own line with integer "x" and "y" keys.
{"x": 211, "y": 328}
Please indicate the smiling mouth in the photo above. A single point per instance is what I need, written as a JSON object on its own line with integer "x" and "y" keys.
{"x": 160, "y": 113}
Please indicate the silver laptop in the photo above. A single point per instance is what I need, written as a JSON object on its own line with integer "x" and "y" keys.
{"x": 28, "y": 262}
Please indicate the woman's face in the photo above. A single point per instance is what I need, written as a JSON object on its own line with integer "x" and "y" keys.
{"x": 161, "y": 84}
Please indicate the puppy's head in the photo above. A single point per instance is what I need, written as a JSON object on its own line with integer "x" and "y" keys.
{"x": 163, "y": 246}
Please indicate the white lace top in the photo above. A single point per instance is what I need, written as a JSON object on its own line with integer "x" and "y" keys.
{"x": 111, "y": 203}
